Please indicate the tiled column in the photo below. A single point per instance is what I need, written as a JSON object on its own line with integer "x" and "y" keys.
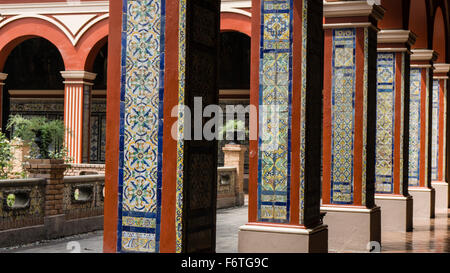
{"x": 284, "y": 178}
{"x": 439, "y": 140}
{"x": 163, "y": 54}
{"x": 420, "y": 154}
{"x": 3, "y": 77}
{"x": 391, "y": 162}
{"x": 77, "y": 113}
{"x": 349, "y": 125}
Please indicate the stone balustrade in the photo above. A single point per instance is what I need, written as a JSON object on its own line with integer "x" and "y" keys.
{"x": 50, "y": 206}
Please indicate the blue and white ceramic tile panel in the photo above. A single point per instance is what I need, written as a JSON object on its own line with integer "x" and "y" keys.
{"x": 384, "y": 166}
{"x": 141, "y": 125}
{"x": 343, "y": 96}
{"x": 435, "y": 132}
{"x": 414, "y": 127}
{"x": 275, "y": 91}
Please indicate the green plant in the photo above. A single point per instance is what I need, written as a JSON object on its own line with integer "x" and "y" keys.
{"x": 46, "y": 137}
{"x": 5, "y": 157}
{"x": 233, "y": 127}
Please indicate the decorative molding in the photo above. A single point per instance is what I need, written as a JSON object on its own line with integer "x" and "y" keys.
{"x": 441, "y": 68}
{"x": 55, "y": 8}
{"x": 71, "y": 75}
{"x": 423, "y": 55}
{"x": 396, "y": 36}
{"x": 235, "y": 6}
{"x": 353, "y": 9}
{"x": 72, "y": 18}
{"x": 350, "y": 25}
{"x": 283, "y": 230}
{"x": 3, "y": 76}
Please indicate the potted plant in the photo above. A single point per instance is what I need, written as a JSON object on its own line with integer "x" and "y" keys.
{"x": 45, "y": 137}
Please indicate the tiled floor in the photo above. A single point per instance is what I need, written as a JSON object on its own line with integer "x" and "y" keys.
{"x": 428, "y": 236}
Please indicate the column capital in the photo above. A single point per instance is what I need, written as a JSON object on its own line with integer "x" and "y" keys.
{"x": 78, "y": 77}
{"x": 395, "y": 40}
{"x": 348, "y": 9}
{"x": 423, "y": 58}
{"x": 3, "y": 77}
{"x": 441, "y": 71}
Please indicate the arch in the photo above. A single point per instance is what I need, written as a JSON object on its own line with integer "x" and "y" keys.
{"x": 91, "y": 43}
{"x": 236, "y": 22}
{"x": 419, "y": 23}
{"x": 18, "y": 31}
{"x": 439, "y": 37}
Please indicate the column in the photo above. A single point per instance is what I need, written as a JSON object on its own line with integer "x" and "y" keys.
{"x": 420, "y": 153}
{"x": 3, "y": 77}
{"x": 349, "y": 124}
{"x": 439, "y": 140}
{"x": 159, "y": 195}
{"x": 284, "y": 175}
{"x": 77, "y": 113}
{"x": 392, "y": 134}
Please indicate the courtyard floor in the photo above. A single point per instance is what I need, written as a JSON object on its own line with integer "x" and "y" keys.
{"x": 429, "y": 236}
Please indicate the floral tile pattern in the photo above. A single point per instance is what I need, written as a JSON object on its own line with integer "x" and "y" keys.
{"x": 414, "y": 128}
{"x": 435, "y": 131}
{"x": 343, "y": 96}
{"x": 276, "y": 92}
{"x": 384, "y": 166}
{"x": 140, "y": 159}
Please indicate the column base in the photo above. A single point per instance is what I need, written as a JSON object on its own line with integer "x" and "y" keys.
{"x": 442, "y": 193}
{"x": 396, "y": 212}
{"x": 267, "y": 239}
{"x": 352, "y": 229}
{"x": 424, "y": 202}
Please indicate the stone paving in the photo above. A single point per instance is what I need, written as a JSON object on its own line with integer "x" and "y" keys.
{"x": 429, "y": 236}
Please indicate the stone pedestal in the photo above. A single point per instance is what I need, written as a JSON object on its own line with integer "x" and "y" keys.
{"x": 261, "y": 239}
{"x": 424, "y": 202}
{"x": 396, "y": 212}
{"x": 441, "y": 193}
{"x": 234, "y": 156}
{"x": 352, "y": 229}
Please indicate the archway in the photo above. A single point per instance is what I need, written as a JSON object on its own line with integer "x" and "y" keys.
{"x": 234, "y": 90}
{"x": 34, "y": 86}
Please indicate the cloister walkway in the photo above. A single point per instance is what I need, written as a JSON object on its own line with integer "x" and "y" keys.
{"x": 429, "y": 236}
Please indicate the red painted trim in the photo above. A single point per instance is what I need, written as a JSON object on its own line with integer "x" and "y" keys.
{"x": 327, "y": 128}
{"x": 398, "y": 176}
{"x": 254, "y": 100}
{"x": 171, "y": 92}
{"x": 18, "y": 31}
{"x": 423, "y": 130}
{"x": 296, "y": 113}
{"x": 359, "y": 113}
{"x": 112, "y": 129}
{"x": 236, "y": 22}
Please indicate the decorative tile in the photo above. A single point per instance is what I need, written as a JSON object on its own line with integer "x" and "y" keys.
{"x": 275, "y": 91}
{"x": 384, "y": 166}
{"x": 435, "y": 131}
{"x": 140, "y": 162}
{"x": 414, "y": 127}
{"x": 343, "y": 92}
